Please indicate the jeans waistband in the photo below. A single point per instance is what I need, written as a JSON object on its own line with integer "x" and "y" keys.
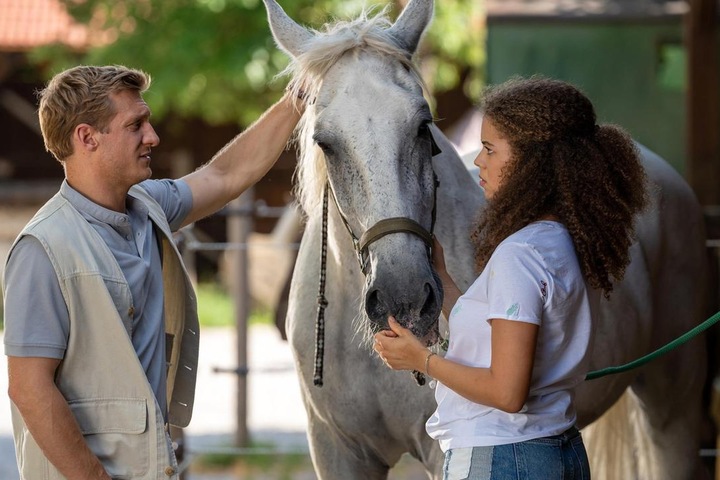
{"x": 568, "y": 434}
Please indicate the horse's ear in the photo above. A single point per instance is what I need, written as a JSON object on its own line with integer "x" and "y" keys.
{"x": 289, "y": 36}
{"x": 411, "y": 24}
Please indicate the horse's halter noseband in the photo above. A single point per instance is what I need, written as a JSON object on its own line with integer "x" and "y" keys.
{"x": 380, "y": 229}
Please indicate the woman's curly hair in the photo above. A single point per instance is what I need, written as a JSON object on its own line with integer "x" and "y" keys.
{"x": 563, "y": 164}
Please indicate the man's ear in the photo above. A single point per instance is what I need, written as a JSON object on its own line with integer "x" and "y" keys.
{"x": 85, "y": 137}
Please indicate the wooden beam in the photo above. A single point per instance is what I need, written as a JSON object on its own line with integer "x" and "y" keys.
{"x": 21, "y": 109}
{"x": 28, "y": 192}
{"x": 238, "y": 231}
{"x": 703, "y": 102}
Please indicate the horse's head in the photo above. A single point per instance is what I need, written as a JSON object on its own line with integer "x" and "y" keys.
{"x": 367, "y": 135}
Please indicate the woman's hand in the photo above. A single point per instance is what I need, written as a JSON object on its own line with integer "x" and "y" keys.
{"x": 399, "y": 348}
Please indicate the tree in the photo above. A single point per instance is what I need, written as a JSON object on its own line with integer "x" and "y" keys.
{"x": 216, "y": 60}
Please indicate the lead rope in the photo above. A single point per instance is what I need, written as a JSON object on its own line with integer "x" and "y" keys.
{"x": 322, "y": 301}
{"x": 660, "y": 351}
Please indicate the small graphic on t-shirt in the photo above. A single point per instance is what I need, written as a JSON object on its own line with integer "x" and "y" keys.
{"x": 456, "y": 309}
{"x": 513, "y": 310}
{"x": 543, "y": 289}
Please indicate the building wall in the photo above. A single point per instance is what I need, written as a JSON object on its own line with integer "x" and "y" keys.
{"x": 633, "y": 72}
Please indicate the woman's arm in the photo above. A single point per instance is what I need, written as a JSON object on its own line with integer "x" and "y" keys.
{"x": 504, "y": 385}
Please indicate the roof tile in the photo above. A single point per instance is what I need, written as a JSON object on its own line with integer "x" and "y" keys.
{"x": 25, "y": 24}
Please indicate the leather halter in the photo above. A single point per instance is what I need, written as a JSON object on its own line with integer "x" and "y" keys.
{"x": 387, "y": 226}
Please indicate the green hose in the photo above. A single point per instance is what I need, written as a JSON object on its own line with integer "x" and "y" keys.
{"x": 660, "y": 351}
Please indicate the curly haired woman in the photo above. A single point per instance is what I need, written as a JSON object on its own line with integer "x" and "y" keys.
{"x": 562, "y": 194}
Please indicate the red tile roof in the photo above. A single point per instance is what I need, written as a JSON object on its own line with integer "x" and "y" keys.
{"x": 25, "y": 24}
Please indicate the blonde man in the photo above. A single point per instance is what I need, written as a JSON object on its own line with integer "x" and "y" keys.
{"x": 100, "y": 317}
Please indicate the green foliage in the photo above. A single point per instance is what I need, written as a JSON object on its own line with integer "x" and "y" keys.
{"x": 456, "y": 38}
{"x": 258, "y": 458}
{"x": 215, "y": 308}
{"x": 216, "y": 59}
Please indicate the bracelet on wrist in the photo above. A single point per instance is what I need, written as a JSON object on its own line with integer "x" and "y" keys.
{"x": 427, "y": 362}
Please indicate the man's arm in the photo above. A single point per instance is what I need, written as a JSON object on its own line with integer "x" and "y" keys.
{"x": 243, "y": 161}
{"x": 49, "y": 419}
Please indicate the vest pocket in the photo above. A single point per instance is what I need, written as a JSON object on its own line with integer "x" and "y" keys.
{"x": 115, "y": 429}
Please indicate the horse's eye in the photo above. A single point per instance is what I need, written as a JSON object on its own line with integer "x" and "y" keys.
{"x": 424, "y": 129}
{"x": 325, "y": 147}
{"x": 324, "y": 140}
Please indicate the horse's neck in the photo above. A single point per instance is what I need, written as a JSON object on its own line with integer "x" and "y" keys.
{"x": 459, "y": 202}
{"x": 452, "y": 171}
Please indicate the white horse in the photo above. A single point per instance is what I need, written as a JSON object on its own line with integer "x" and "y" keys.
{"x": 368, "y": 134}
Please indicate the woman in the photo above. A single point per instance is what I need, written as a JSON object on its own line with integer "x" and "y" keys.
{"x": 562, "y": 194}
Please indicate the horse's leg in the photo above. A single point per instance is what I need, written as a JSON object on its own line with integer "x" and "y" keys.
{"x": 604, "y": 417}
{"x": 431, "y": 457}
{"x": 358, "y": 439}
{"x": 653, "y": 431}
{"x": 336, "y": 456}
{"x": 670, "y": 418}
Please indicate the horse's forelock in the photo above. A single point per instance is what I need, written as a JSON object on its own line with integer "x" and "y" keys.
{"x": 311, "y": 171}
{"x": 365, "y": 33}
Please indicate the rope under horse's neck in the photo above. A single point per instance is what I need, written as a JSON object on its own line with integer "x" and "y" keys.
{"x": 322, "y": 301}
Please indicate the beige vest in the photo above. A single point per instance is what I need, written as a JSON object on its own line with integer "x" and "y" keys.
{"x": 101, "y": 377}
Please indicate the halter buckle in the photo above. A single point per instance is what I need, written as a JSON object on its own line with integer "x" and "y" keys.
{"x": 362, "y": 260}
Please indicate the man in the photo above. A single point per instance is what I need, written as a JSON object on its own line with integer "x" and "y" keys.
{"x": 100, "y": 317}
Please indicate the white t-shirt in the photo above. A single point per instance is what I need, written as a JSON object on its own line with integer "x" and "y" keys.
{"x": 533, "y": 276}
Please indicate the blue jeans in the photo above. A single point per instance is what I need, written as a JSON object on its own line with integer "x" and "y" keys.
{"x": 559, "y": 457}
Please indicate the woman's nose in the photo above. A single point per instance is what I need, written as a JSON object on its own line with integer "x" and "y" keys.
{"x": 477, "y": 160}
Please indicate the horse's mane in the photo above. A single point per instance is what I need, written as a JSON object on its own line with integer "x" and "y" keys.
{"x": 366, "y": 33}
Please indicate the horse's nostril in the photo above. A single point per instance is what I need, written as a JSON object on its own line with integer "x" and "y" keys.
{"x": 426, "y": 304}
{"x": 372, "y": 305}
{"x": 429, "y": 307}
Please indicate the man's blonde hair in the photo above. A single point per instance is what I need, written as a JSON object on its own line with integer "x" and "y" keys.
{"x": 82, "y": 95}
